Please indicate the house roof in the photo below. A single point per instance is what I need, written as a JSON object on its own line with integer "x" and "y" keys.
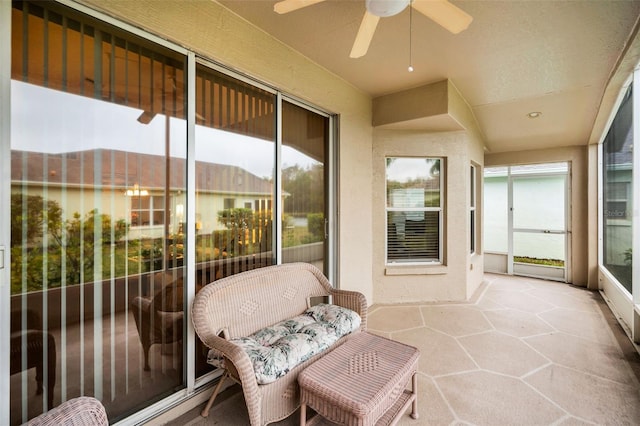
{"x": 121, "y": 169}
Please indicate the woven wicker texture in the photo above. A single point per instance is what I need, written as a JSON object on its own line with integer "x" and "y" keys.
{"x": 81, "y": 411}
{"x": 359, "y": 381}
{"x": 241, "y": 304}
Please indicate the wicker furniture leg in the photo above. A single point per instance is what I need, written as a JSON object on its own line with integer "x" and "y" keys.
{"x": 414, "y": 391}
{"x": 303, "y": 414}
{"x": 205, "y": 411}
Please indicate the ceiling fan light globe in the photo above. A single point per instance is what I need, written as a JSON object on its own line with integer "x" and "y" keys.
{"x": 386, "y": 8}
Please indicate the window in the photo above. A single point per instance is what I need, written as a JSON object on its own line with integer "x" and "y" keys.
{"x": 617, "y": 177}
{"x": 229, "y": 203}
{"x": 414, "y": 201}
{"x": 472, "y": 209}
{"x": 147, "y": 211}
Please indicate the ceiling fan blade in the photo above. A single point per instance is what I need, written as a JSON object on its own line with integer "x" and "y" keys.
{"x": 451, "y": 17}
{"x": 365, "y": 34}
{"x": 286, "y": 6}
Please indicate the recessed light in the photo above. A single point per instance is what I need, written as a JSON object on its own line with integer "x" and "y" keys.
{"x": 534, "y": 114}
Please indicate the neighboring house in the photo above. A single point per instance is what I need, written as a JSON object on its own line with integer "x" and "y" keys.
{"x": 136, "y": 194}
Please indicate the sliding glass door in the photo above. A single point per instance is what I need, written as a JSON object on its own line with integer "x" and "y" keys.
{"x": 113, "y": 224}
{"x": 97, "y": 181}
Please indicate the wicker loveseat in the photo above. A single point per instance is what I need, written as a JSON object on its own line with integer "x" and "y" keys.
{"x": 243, "y": 304}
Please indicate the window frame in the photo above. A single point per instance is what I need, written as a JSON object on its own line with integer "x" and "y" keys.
{"x": 155, "y": 203}
{"x": 473, "y": 217}
{"x": 440, "y": 210}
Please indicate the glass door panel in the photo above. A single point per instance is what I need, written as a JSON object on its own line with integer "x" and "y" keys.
{"x": 235, "y": 152}
{"x": 538, "y": 203}
{"x": 539, "y": 221}
{"x": 97, "y": 175}
{"x": 305, "y": 139}
{"x": 539, "y": 254}
{"x": 496, "y": 219}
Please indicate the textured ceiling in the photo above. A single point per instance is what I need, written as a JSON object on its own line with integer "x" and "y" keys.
{"x": 555, "y": 57}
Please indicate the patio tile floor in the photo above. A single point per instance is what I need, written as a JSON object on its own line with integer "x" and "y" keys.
{"x": 524, "y": 352}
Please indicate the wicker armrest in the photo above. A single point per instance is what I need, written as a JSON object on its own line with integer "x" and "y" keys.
{"x": 241, "y": 369}
{"x": 84, "y": 410}
{"x": 352, "y": 300}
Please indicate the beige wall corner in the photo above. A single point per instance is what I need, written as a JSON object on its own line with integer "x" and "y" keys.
{"x": 462, "y": 113}
{"x": 462, "y": 145}
{"x": 404, "y": 283}
{"x": 462, "y": 273}
{"x": 421, "y": 108}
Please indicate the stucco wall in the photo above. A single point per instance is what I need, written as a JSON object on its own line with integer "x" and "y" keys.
{"x": 216, "y": 34}
{"x": 461, "y": 111}
{"x": 402, "y": 284}
{"x": 582, "y": 241}
{"x": 461, "y": 273}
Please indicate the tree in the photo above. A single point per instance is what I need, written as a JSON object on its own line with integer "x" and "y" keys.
{"x": 77, "y": 240}
{"x": 236, "y": 218}
{"x": 305, "y": 187}
{"x": 32, "y": 217}
{"x": 44, "y": 247}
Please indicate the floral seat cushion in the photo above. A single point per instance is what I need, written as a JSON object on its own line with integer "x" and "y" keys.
{"x": 276, "y": 349}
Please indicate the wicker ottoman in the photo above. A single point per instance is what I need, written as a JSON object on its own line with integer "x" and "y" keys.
{"x": 362, "y": 382}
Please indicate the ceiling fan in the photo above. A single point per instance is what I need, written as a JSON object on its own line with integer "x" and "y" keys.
{"x": 442, "y": 12}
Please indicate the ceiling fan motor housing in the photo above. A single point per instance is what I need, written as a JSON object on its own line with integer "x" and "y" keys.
{"x": 386, "y": 8}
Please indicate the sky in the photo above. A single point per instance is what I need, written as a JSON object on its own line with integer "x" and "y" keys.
{"x": 404, "y": 169}
{"x": 61, "y": 122}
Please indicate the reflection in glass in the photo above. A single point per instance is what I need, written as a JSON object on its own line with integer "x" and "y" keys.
{"x": 235, "y": 152}
{"x": 97, "y": 170}
{"x": 617, "y": 188}
{"x": 304, "y": 224}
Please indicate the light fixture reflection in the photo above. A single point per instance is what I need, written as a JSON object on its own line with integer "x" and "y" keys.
{"x": 136, "y": 192}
